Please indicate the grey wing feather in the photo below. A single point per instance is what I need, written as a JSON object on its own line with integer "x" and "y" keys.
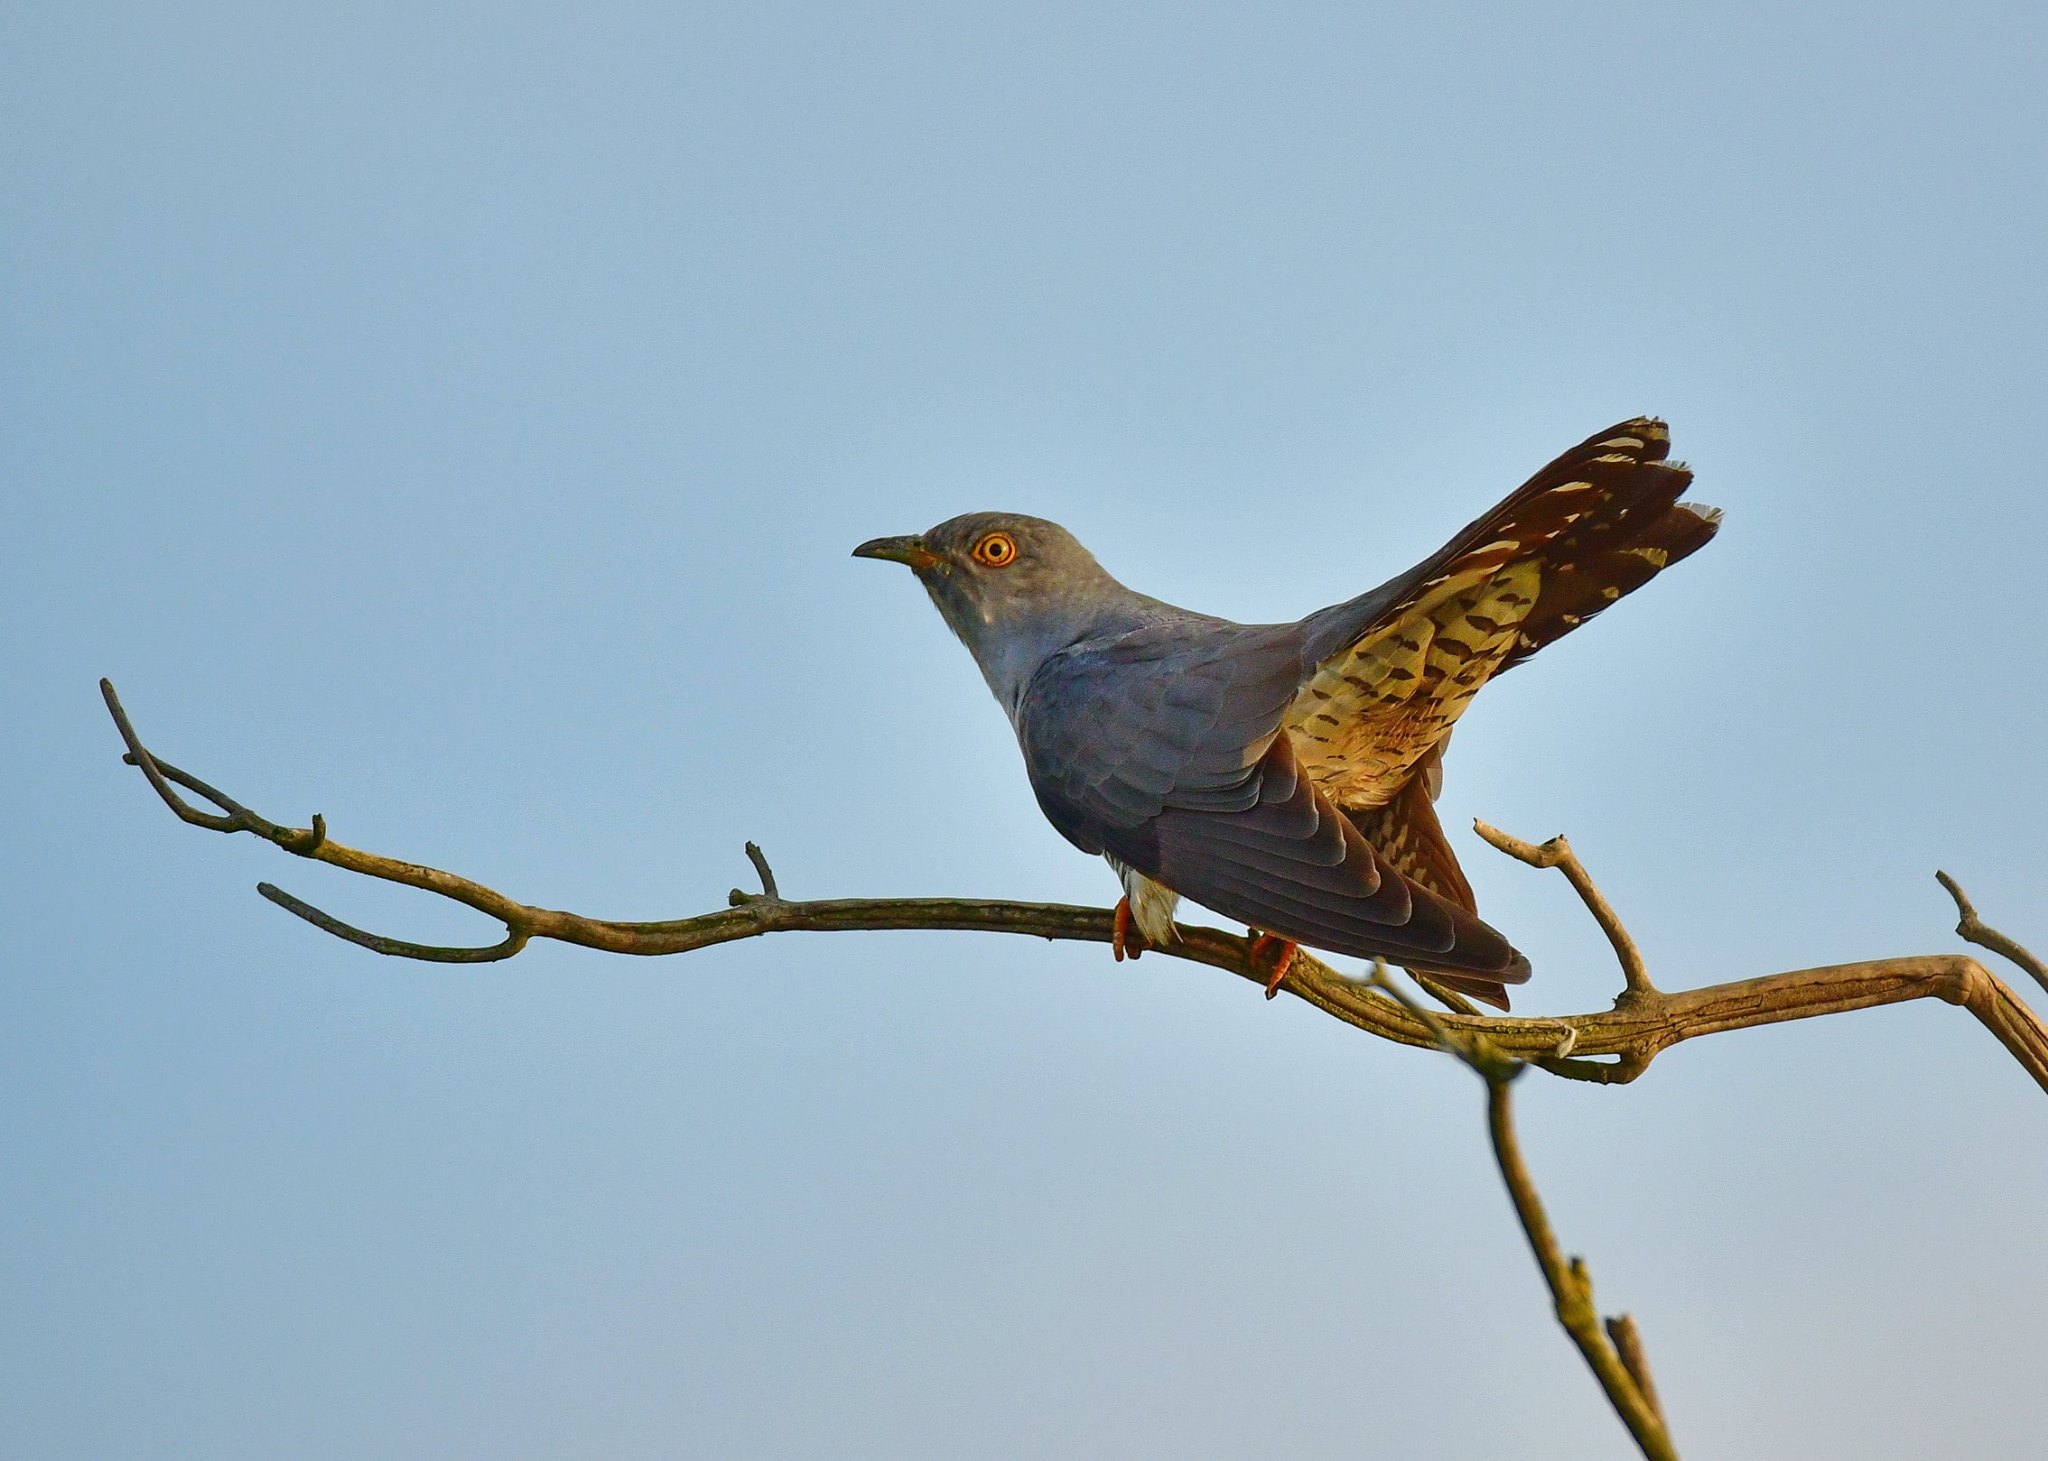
{"x": 1173, "y": 714}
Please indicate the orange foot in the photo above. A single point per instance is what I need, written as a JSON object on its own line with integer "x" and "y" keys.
{"x": 1125, "y": 939}
{"x": 1271, "y": 949}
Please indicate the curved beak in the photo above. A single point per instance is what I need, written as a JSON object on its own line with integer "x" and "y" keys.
{"x": 907, "y": 550}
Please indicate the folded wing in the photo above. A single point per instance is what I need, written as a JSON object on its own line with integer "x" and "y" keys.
{"x": 1166, "y": 750}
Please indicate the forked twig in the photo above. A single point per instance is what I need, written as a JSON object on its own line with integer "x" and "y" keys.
{"x": 1571, "y": 1292}
{"x": 1628, "y": 1344}
{"x": 377, "y": 943}
{"x": 1558, "y": 853}
{"x": 1976, "y": 931}
{"x": 1614, "y": 1352}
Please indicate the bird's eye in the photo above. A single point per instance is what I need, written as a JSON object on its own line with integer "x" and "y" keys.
{"x": 997, "y": 550}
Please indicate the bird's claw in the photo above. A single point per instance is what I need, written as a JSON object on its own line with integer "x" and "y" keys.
{"x": 1125, "y": 939}
{"x": 1270, "y": 949}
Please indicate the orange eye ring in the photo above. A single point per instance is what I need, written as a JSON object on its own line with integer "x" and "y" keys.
{"x": 996, "y": 550}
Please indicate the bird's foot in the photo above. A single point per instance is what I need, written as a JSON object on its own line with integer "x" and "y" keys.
{"x": 1125, "y": 939}
{"x": 1275, "y": 954}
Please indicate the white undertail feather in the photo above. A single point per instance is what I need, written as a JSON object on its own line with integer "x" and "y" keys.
{"x": 1152, "y": 904}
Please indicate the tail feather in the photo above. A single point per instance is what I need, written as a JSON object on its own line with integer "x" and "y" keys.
{"x": 1601, "y": 520}
{"x": 1486, "y": 991}
{"x": 1396, "y": 667}
{"x": 1598, "y": 522}
{"x": 1408, "y": 835}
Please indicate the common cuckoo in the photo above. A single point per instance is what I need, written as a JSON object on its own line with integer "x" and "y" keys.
{"x": 1284, "y": 775}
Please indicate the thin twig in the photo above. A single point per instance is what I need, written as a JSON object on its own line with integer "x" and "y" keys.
{"x": 1571, "y": 1286}
{"x": 1469, "y": 1044}
{"x": 1376, "y": 977}
{"x": 1558, "y": 853}
{"x": 760, "y": 862}
{"x": 1975, "y": 930}
{"x": 377, "y": 943}
{"x": 1628, "y": 1344}
{"x": 237, "y": 818}
{"x": 1614, "y": 1353}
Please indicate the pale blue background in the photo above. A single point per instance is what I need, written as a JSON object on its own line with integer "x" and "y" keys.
{"x": 457, "y": 423}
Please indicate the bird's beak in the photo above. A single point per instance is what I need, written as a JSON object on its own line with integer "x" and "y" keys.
{"x": 910, "y": 550}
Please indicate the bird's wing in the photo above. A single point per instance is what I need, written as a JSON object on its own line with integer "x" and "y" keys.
{"x": 1395, "y": 668}
{"x": 1165, "y": 749}
{"x": 1174, "y": 714}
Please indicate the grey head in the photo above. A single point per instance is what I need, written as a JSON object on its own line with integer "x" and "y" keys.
{"x": 1016, "y": 590}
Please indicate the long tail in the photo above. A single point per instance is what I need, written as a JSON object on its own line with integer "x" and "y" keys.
{"x": 1602, "y": 540}
{"x": 1397, "y": 667}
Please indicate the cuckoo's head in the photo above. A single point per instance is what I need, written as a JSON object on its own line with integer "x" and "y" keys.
{"x": 1014, "y": 588}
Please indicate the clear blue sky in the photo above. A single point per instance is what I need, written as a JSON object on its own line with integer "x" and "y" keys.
{"x": 456, "y": 421}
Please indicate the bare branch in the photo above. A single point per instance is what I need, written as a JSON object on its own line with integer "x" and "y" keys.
{"x": 1558, "y": 853}
{"x": 1608, "y": 1046}
{"x": 1615, "y": 1353}
{"x": 767, "y": 874}
{"x": 377, "y": 943}
{"x": 236, "y": 818}
{"x": 1468, "y": 1041}
{"x": 1612, "y": 1046}
{"x": 1571, "y": 1287}
{"x": 1974, "y": 930}
{"x": 1621, "y": 1330}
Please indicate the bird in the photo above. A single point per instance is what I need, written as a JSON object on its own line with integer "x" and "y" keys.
{"x": 1285, "y": 775}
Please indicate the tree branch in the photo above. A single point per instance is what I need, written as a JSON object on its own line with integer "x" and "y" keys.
{"x": 1608, "y": 1046}
{"x": 1558, "y": 853}
{"x": 1614, "y": 1352}
{"x": 1974, "y": 930}
{"x": 1617, "y": 1362}
{"x": 1628, "y": 1344}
